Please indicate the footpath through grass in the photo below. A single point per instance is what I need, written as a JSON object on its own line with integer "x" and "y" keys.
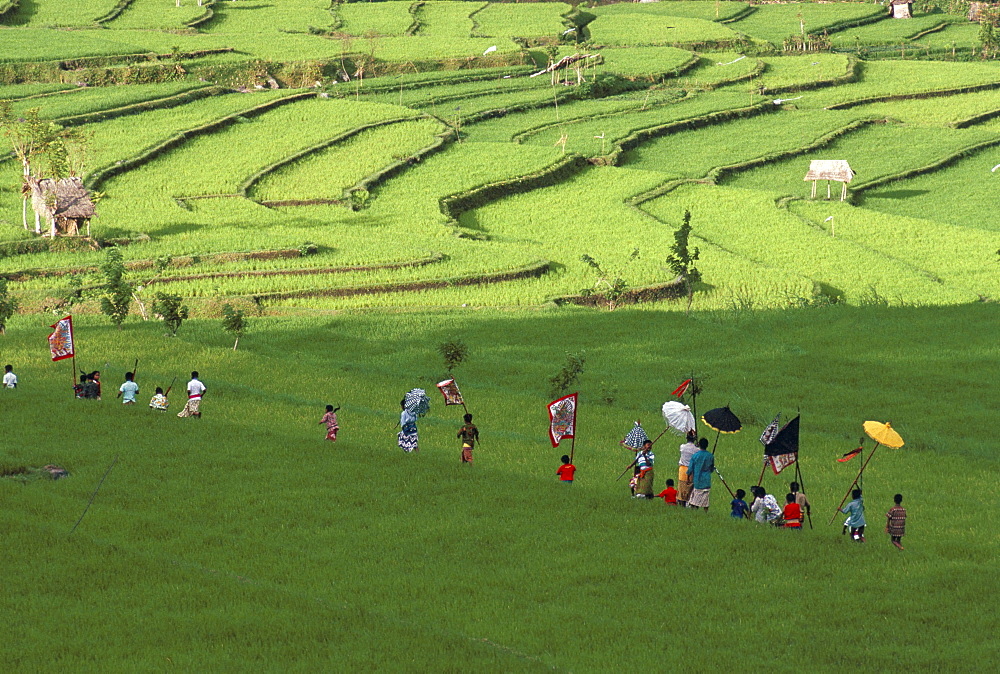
{"x": 244, "y": 540}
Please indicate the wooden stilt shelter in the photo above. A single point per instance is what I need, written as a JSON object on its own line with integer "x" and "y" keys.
{"x": 835, "y": 170}
{"x": 65, "y": 204}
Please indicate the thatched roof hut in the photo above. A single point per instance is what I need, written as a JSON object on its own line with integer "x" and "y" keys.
{"x": 65, "y": 204}
{"x": 901, "y": 9}
{"x": 830, "y": 169}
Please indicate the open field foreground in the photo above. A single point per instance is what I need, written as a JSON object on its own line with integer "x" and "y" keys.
{"x": 366, "y": 181}
{"x": 245, "y": 540}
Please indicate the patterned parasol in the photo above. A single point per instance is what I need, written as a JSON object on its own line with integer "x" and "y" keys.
{"x": 636, "y": 437}
{"x": 416, "y": 402}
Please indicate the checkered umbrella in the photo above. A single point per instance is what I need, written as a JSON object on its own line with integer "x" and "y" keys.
{"x": 636, "y": 437}
{"x": 416, "y": 402}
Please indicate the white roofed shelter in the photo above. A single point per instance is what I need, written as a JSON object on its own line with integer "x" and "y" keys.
{"x": 830, "y": 170}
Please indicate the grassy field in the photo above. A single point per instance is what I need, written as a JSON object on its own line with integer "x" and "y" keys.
{"x": 242, "y": 534}
{"x": 364, "y": 221}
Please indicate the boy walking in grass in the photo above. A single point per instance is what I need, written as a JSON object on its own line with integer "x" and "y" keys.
{"x": 669, "y": 495}
{"x": 9, "y": 378}
{"x": 792, "y": 513}
{"x": 159, "y": 400}
{"x": 739, "y": 506}
{"x": 330, "y": 419}
{"x": 128, "y": 390}
{"x": 855, "y": 510}
{"x": 566, "y": 470}
{"x": 895, "y": 521}
{"x": 468, "y": 434}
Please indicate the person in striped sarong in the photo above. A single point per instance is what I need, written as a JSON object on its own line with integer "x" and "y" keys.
{"x": 407, "y": 437}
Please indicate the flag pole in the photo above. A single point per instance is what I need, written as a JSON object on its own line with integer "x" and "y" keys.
{"x": 658, "y": 437}
{"x": 802, "y": 486}
{"x": 760, "y": 480}
{"x": 724, "y": 483}
{"x": 572, "y": 446}
{"x": 860, "y": 472}
{"x": 73, "y": 376}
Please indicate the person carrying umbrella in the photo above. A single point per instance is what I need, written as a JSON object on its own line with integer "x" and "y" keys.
{"x": 413, "y": 405}
{"x": 700, "y": 470}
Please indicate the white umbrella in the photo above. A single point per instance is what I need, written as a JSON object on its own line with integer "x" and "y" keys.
{"x": 678, "y": 417}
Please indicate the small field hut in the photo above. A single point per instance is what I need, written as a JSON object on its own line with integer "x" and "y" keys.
{"x": 836, "y": 170}
{"x": 65, "y": 204}
{"x": 901, "y": 9}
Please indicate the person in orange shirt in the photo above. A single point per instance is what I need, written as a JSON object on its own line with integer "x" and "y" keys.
{"x": 566, "y": 470}
{"x": 793, "y": 513}
{"x": 669, "y": 495}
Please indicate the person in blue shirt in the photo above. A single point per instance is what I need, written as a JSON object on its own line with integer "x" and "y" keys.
{"x": 739, "y": 506}
{"x": 855, "y": 511}
{"x": 128, "y": 389}
{"x": 700, "y": 471}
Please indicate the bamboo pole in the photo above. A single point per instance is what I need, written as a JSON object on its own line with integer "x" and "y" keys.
{"x": 860, "y": 473}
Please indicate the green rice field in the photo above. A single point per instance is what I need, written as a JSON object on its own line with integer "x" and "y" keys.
{"x": 368, "y": 181}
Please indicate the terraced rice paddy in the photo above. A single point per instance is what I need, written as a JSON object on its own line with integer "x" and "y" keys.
{"x": 367, "y": 180}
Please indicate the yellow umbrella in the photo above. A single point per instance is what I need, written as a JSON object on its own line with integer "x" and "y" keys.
{"x": 882, "y": 434}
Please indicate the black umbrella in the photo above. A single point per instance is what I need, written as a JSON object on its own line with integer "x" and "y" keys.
{"x": 721, "y": 420}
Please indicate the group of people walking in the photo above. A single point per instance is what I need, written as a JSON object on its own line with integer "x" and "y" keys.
{"x": 89, "y": 388}
{"x": 694, "y": 483}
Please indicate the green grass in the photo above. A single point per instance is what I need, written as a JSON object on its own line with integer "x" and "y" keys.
{"x": 80, "y": 101}
{"x": 521, "y": 20}
{"x": 234, "y": 17}
{"x": 50, "y": 13}
{"x": 692, "y": 154}
{"x": 446, "y": 19}
{"x": 619, "y": 28}
{"x": 776, "y": 22}
{"x": 900, "y": 150}
{"x": 328, "y": 172}
{"x": 232, "y": 570}
{"x": 158, "y": 14}
{"x": 890, "y": 32}
{"x": 709, "y": 11}
{"x": 385, "y": 18}
{"x": 958, "y": 194}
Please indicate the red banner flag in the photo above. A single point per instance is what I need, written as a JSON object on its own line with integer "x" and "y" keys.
{"x": 61, "y": 340}
{"x": 781, "y": 461}
{"x": 850, "y": 455}
{"x": 449, "y": 389}
{"x": 682, "y": 389}
{"x": 562, "y": 418}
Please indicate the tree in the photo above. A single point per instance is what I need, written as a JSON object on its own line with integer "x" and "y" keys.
{"x": 611, "y": 290}
{"x": 453, "y": 353}
{"x": 234, "y": 321}
{"x": 169, "y": 307}
{"x": 8, "y": 305}
{"x": 117, "y": 292}
{"x": 567, "y": 376}
{"x": 682, "y": 257}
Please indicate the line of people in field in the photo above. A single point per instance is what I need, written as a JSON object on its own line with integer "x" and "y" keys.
{"x": 696, "y": 464}
{"x": 89, "y": 388}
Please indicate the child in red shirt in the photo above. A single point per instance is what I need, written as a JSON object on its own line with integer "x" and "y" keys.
{"x": 669, "y": 495}
{"x": 793, "y": 513}
{"x": 565, "y": 471}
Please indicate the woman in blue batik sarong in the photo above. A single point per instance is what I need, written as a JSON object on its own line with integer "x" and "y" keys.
{"x": 408, "y": 429}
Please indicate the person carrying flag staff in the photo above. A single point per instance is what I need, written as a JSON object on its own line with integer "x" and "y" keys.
{"x": 644, "y": 471}
{"x": 688, "y": 449}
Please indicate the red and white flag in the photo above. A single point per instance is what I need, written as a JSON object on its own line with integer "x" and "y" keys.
{"x": 781, "y": 461}
{"x": 449, "y": 389}
{"x": 61, "y": 342}
{"x": 682, "y": 389}
{"x": 562, "y": 418}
